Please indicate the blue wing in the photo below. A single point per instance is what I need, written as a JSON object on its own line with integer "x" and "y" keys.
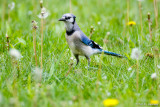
{"x": 89, "y": 42}
{"x": 94, "y": 45}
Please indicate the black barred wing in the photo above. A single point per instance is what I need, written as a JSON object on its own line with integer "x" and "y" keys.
{"x": 94, "y": 45}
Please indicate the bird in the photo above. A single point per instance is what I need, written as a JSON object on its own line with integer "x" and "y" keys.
{"x": 79, "y": 43}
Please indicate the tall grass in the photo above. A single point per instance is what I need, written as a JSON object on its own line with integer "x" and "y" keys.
{"x": 60, "y": 85}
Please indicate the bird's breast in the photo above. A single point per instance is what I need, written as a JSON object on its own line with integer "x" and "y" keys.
{"x": 74, "y": 42}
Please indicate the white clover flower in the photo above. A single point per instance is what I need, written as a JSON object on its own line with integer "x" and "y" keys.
{"x": 11, "y": 6}
{"x": 158, "y": 66}
{"x": 130, "y": 68}
{"x": 99, "y": 23}
{"x": 15, "y": 54}
{"x": 154, "y": 76}
{"x": 136, "y": 54}
{"x": 72, "y": 58}
{"x": 37, "y": 74}
{"x": 44, "y": 13}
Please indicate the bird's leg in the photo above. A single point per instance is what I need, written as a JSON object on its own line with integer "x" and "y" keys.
{"x": 77, "y": 58}
{"x": 89, "y": 60}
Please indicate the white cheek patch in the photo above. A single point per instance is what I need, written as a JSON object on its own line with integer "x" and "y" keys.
{"x": 71, "y": 20}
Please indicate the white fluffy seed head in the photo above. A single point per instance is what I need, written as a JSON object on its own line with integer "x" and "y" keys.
{"x": 44, "y": 13}
{"x": 11, "y": 6}
{"x": 14, "y": 53}
{"x": 158, "y": 66}
{"x": 37, "y": 74}
{"x": 136, "y": 54}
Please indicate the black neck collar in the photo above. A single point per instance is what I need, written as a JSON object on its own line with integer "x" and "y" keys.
{"x": 69, "y": 33}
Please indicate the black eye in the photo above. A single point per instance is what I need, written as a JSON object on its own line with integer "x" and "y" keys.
{"x": 68, "y": 17}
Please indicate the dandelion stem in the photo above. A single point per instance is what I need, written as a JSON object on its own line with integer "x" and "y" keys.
{"x": 70, "y": 67}
{"x": 156, "y": 54}
{"x": 149, "y": 24}
{"x": 156, "y": 12}
{"x": 140, "y": 13}
{"x": 34, "y": 44}
{"x": 127, "y": 19}
{"x": 7, "y": 42}
{"x": 41, "y": 42}
{"x": 137, "y": 76}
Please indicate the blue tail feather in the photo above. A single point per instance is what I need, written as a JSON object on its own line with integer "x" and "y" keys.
{"x": 112, "y": 53}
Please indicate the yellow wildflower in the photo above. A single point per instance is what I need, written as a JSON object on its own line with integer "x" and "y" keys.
{"x": 131, "y": 23}
{"x": 154, "y": 102}
{"x": 110, "y": 102}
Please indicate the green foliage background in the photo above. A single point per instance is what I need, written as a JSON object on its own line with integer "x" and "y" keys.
{"x": 108, "y": 76}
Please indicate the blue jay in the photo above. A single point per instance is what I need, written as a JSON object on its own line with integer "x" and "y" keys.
{"x": 78, "y": 42}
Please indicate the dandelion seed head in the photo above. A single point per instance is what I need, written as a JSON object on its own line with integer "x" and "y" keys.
{"x": 37, "y": 74}
{"x": 136, "y": 54}
{"x": 11, "y": 6}
{"x": 15, "y": 54}
{"x": 154, "y": 76}
{"x": 34, "y": 24}
{"x": 44, "y": 13}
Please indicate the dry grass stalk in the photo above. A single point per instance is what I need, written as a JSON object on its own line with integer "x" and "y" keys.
{"x": 149, "y": 24}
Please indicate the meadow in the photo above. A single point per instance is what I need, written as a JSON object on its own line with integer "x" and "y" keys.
{"x": 132, "y": 82}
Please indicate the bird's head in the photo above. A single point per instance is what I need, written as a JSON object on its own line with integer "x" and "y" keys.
{"x": 68, "y": 18}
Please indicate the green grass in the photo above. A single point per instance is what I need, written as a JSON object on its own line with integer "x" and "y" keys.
{"x": 82, "y": 87}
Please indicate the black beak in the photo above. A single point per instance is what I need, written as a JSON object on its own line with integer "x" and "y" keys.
{"x": 62, "y": 19}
